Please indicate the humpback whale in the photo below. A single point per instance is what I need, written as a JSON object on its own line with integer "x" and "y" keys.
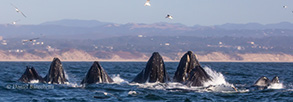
{"x": 187, "y": 62}
{"x": 263, "y": 82}
{"x": 56, "y": 73}
{"x": 275, "y": 80}
{"x": 96, "y": 74}
{"x": 190, "y": 72}
{"x": 29, "y": 75}
{"x": 154, "y": 71}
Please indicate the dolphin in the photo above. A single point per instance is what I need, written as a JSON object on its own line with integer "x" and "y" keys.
{"x": 187, "y": 62}
{"x": 96, "y": 74}
{"x": 29, "y": 75}
{"x": 154, "y": 71}
{"x": 56, "y": 73}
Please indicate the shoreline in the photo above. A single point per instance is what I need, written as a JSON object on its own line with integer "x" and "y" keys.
{"x": 103, "y": 60}
{"x": 82, "y": 56}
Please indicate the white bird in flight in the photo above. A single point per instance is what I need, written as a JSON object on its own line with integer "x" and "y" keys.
{"x": 284, "y": 6}
{"x": 147, "y": 3}
{"x": 18, "y": 11}
{"x": 169, "y": 16}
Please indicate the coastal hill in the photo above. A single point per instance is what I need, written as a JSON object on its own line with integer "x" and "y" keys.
{"x": 90, "y": 29}
{"x": 87, "y": 40}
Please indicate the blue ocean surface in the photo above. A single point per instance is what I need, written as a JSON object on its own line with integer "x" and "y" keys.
{"x": 239, "y": 75}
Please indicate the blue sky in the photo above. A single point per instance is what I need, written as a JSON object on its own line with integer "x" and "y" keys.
{"x": 188, "y": 12}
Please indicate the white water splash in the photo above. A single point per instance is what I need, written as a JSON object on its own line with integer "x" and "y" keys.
{"x": 118, "y": 80}
{"x": 66, "y": 76}
{"x": 217, "y": 78}
{"x": 156, "y": 85}
{"x": 34, "y": 81}
{"x": 218, "y": 82}
{"x": 276, "y": 86}
{"x": 132, "y": 93}
{"x": 73, "y": 84}
{"x": 177, "y": 85}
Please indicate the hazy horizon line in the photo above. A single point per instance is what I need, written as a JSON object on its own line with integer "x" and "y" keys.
{"x": 152, "y": 23}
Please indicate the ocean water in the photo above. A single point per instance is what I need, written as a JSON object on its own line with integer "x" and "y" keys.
{"x": 225, "y": 76}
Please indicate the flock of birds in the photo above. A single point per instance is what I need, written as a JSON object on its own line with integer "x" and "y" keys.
{"x": 14, "y": 23}
{"x": 29, "y": 40}
{"x": 18, "y": 11}
{"x": 147, "y": 3}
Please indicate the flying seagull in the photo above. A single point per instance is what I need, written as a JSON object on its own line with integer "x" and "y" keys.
{"x": 169, "y": 16}
{"x": 284, "y": 6}
{"x": 147, "y": 3}
{"x": 18, "y": 11}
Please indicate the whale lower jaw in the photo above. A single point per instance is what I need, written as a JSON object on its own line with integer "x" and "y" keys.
{"x": 197, "y": 77}
{"x": 96, "y": 74}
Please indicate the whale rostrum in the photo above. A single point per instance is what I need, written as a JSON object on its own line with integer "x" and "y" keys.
{"x": 56, "y": 73}
{"x": 96, "y": 74}
{"x": 29, "y": 75}
{"x": 154, "y": 71}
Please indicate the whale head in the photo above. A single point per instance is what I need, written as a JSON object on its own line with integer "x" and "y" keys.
{"x": 190, "y": 72}
{"x": 262, "y": 82}
{"x": 154, "y": 71}
{"x": 187, "y": 62}
{"x": 29, "y": 75}
{"x": 96, "y": 74}
{"x": 275, "y": 80}
{"x": 56, "y": 73}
